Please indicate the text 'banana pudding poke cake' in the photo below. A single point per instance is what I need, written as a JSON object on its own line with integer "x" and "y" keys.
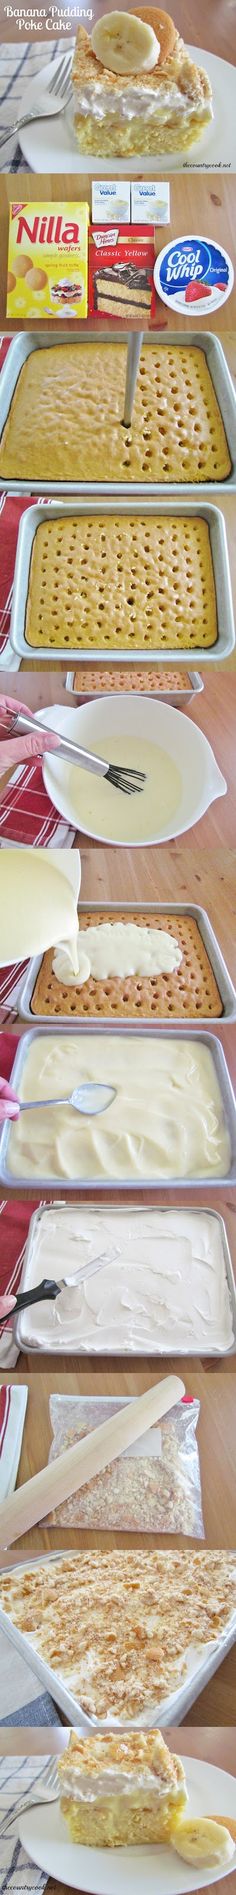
{"x": 136, "y": 88}
{"x": 120, "y": 1790}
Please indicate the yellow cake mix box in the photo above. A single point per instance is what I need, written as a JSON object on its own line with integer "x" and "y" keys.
{"x": 47, "y": 260}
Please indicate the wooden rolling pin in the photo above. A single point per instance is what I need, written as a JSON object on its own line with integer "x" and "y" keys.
{"x": 72, "y": 1470}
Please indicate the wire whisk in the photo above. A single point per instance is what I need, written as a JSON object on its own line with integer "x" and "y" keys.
{"x": 130, "y": 781}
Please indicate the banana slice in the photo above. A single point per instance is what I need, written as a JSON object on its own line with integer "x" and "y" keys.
{"x": 202, "y": 1839}
{"x": 124, "y": 44}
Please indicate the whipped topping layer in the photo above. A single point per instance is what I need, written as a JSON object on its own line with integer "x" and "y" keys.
{"x": 166, "y": 1120}
{"x": 119, "y": 948}
{"x": 138, "y": 102}
{"x": 160, "y": 1287}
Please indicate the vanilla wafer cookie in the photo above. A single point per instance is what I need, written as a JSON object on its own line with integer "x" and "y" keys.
{"x": 121, "y": 582}
{"x": 66, "y": 414}
{"x": 191, "y": 992}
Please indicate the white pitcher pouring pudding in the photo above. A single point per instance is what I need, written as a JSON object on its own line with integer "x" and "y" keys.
{"x": 39, "y": 892}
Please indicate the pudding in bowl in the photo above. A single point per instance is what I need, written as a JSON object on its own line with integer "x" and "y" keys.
{"x": 182, "y": 776}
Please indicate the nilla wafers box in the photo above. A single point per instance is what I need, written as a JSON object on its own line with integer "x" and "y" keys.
{"x": 48, "y": 260}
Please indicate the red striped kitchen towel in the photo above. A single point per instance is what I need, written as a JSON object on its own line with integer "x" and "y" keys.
{"x": 11, "y": 508}
{"x": 14, "y": 1224}
{"x": 27, "y": 815}
{"x": 10, "y": 985}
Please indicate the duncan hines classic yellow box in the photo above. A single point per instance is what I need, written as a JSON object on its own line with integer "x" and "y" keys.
{"x": 48, "y": 260}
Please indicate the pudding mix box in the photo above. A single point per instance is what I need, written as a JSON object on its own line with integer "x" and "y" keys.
{"x": 47, "y": 260}
{"x": 150, "y": 203}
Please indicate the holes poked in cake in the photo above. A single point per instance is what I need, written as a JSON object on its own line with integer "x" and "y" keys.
{"x": 146, "y": 583}
{"x": 190, "y": 992}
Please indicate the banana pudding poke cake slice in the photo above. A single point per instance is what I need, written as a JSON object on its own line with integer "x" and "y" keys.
{"x": 136, "y": 88}
{"x": 117, "y": 1791}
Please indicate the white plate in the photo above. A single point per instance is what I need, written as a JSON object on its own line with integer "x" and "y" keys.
{"x": 51, "y": 145}
{"x": 128, "y": 1871}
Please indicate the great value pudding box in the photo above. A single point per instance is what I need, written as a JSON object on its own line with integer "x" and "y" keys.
{"x": 48, "y": 260}
{"x": 121, "y": 266}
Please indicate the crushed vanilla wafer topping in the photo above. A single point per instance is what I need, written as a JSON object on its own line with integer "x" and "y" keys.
{"x": 117, "y": 1626}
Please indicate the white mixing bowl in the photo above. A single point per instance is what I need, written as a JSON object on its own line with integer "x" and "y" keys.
{"x": 93, "y": 724}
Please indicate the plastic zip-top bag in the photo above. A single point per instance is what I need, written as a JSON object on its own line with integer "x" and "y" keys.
{"x": 154, "y": 1487}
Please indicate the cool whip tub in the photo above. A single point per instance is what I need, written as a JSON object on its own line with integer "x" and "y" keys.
{"x": 162, "y": 1285}
{"x": 167, "y": 1120}
{"x": 193, "y": 276}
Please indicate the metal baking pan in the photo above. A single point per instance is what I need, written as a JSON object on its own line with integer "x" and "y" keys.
{"x": 178, "y": 698}
{"x": 169, "y": 1712}
{"x": 126, "y": 1184}
{"x": 224, "y": 983}
{"x": 214, "y": 519}
{"x": 47, "y": 1210}
{"x": 22, "y": 346}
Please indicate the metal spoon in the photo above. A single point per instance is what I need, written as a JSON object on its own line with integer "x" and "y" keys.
{"x": 89, "y": 1100}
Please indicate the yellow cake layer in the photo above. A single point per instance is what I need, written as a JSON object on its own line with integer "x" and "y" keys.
{"x": 119, "y": 1821}
{"x": 65, "y": 418}
{"x": 119, "y": 138}
{"x": 121, "y": 583}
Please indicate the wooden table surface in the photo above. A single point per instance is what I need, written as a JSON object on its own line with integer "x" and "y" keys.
{"x": 211, "y": 27}
{"x": 204, "y": 204}
{"x": 215, "y": 1438}
{"x": 217, "y": 1747}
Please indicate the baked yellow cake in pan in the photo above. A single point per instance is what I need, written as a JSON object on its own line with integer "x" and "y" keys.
{"x": 190, "y": 992}
{"x": 122, "y": 583}
{"x": 139, "y": 111}
{"x": 116, "y": 1791}
{"x": 117, "y": 1626}
{"x": 92, "y": 678}
{"x": 65, "y": 418}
